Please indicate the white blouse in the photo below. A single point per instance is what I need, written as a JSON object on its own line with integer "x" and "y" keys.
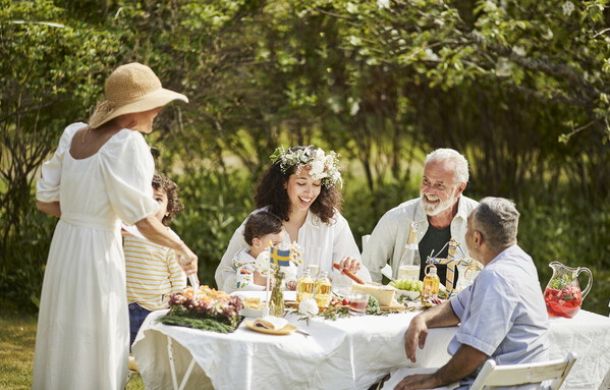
{"x": 321, "y": 243}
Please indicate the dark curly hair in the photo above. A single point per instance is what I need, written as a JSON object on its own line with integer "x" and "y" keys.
{"x": 260, "y": 224}
{"x": 271, "y": 192}
{"x": 174, "y": 206}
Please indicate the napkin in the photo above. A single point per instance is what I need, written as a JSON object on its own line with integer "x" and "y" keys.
{"x": 252, "y": 303}
{"x": 271, "y": 323}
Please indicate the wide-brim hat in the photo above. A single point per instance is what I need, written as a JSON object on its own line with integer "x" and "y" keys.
{"x": 131, "y": 88}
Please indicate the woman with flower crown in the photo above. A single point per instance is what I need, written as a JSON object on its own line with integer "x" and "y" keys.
{"x": 302, "y": 188}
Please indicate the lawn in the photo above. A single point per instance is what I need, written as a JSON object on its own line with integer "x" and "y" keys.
{"x": 17, "y": 339}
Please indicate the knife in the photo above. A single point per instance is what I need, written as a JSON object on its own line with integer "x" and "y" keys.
{"x": 194, "y": 280}
{"x": 299, "y": 330}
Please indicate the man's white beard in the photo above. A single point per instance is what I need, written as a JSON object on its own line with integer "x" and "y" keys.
{"x": 434, "y": 209}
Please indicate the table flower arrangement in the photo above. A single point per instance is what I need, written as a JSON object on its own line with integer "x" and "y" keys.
{"x": 204, "y": 309}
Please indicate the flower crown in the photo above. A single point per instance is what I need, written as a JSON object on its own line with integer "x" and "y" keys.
{"x": 323, "y": 167}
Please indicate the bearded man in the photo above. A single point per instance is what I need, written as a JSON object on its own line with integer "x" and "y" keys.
{"x": 440, "y": 213}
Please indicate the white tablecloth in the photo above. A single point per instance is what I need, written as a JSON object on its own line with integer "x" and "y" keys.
{"x": 350, "y": 353}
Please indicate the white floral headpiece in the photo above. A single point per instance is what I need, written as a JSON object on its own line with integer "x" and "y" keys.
{"x": 322, "y": 166}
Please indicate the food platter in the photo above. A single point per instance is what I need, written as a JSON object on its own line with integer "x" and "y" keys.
{"x": 395, "y": 307}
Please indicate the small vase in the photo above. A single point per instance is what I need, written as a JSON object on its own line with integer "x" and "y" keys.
{"x": 276, "y": 304}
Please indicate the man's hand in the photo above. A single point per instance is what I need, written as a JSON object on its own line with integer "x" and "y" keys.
{"x": 415, "y": 336}
{"x": 418, "y": 381}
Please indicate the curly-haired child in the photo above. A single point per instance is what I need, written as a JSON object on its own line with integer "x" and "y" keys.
{"x": 153, "y": 272}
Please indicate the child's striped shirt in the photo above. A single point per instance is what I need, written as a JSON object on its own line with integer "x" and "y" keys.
{"x": 153, "y": 273}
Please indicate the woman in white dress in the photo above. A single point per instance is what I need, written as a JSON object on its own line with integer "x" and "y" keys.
{"x": 302, "y": 188}
{"x": 99, "y": 176}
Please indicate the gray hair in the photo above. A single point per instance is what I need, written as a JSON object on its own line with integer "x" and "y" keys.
{"x": 460, "y": 163}
{"x": 498, "y": 221}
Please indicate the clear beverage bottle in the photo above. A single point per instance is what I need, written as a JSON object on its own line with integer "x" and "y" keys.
{"x": 323, "y": 289}
{"x": 410, "y": 260}
{"x": 305, "y": 286}
{"x": 314, "y": 270}
{"x": 431, "y": 284}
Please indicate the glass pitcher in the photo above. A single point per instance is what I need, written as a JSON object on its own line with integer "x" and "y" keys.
{"x": 563, "y": 296}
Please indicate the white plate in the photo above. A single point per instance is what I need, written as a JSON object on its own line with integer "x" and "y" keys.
{"x": 412, "y": 295}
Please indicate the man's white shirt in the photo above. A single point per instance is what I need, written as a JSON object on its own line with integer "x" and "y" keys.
{"x": 389, "y": 237}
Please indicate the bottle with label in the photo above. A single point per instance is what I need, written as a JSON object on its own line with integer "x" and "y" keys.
{"x": 431, "y": 284}
{"x": 323, "y": 289}
{"x": 305, "y": 286}
{"x": 410, "y": 260}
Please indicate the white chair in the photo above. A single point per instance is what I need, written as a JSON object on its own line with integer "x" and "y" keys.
{"x": 554, "y": 371}
{"x": 605, "y": 385}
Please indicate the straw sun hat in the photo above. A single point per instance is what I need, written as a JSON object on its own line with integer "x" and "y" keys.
{"x": 131, "y": 88}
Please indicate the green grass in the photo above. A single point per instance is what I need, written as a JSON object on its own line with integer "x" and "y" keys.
{"x": 17, "y": 337}
{"x": 17, "y": 340}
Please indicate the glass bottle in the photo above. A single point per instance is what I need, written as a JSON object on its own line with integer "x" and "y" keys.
{"x": 431, "y": 284}
{"x": 323, "y": 289}
{"x": 314, "y": 270}
{"x": 305, "y": 286}
{"x": 410, "y": 260}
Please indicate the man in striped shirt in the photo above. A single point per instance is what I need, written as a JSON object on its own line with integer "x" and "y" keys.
{"x": 153, "y": 272}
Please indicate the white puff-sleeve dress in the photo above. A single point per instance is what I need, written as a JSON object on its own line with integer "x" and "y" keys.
{"x": 82, "y": 340}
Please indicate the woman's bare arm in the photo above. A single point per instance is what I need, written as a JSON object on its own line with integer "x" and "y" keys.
{"x": 49, "y": 208}
{"x": 155, "y": 231}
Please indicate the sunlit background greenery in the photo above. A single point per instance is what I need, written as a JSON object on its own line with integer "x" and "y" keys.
{"x": 519, "y": 86}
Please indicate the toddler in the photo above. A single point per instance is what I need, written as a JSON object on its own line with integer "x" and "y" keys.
{"x": 261, "y": 230}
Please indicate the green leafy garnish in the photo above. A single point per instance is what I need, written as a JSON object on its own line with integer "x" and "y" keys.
{"x": 373, "y": 307}
{"x": 560, "y": 282}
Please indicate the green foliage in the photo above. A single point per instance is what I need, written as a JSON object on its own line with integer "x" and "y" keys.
{"x": 570, "y": 233}
{"x": 560, "y": 282}
{"x": 207, "y": 324}
{"x": 334, "y": 312}
{"x": 519, "y": 86}
{"x": 215, "y": 205}
{"x": 23, "y": 261}
{"x": 51, "y": 70}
